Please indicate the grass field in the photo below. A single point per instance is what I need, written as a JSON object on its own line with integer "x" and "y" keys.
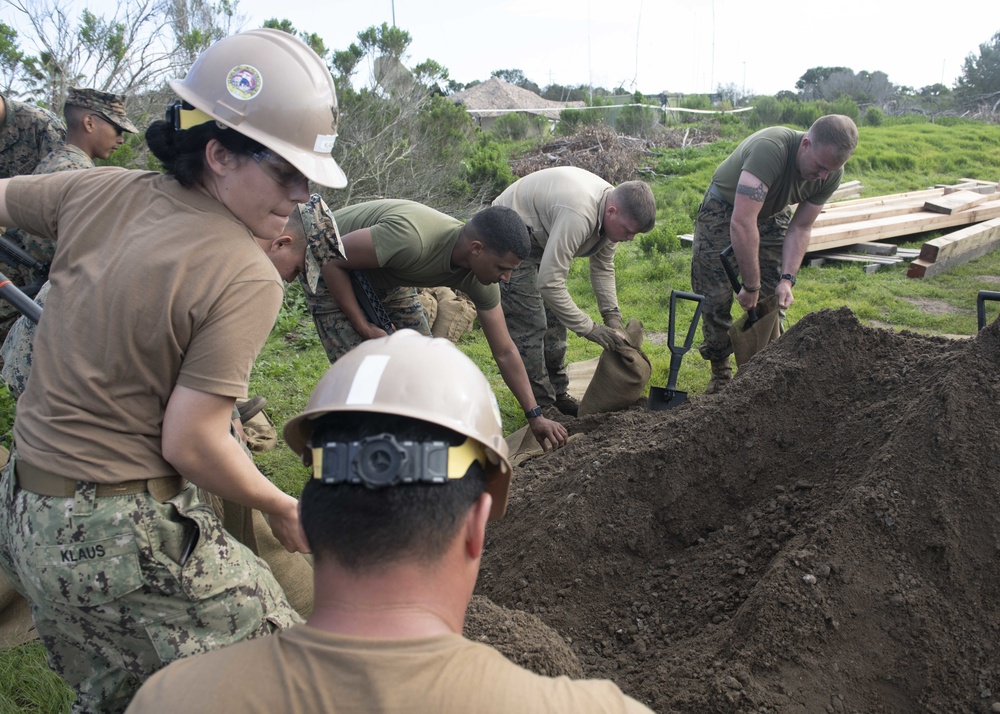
{"x": 892, "y": 158}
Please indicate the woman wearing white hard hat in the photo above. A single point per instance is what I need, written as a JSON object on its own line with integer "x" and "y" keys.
{"x": 160, "y": 302}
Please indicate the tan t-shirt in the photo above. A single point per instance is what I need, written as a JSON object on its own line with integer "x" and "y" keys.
{"x": 564, "y": 207}
{"x": 153, "y": 286}
{"x": 305, "y": 670}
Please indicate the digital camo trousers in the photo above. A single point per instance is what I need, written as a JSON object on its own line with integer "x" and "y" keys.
{"x": 539, "y": 335}
{"x": 110, "y": 598}
{"x": 708, "y": 278}
{"x": 338, "y": 334}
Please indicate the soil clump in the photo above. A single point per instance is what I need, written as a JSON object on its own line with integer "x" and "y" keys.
{"x": 821, "y": 536}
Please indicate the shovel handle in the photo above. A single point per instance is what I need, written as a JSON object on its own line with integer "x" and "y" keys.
{"x": 676, "y": 353}
{"x": 730, "y": 270}
{"x": 981, "y": 299}
{"x": 735, "y": 282}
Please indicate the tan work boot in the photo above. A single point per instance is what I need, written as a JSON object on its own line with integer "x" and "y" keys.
{"x": 722, "y": 373}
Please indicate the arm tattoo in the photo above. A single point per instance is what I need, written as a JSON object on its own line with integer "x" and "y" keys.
{"x": 754, "y": 193}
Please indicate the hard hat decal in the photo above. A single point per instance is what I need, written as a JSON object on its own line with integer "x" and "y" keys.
{"x": 366, "y": 380}
{"x": 324, "y": 143}
{"x": 244, "y": 81}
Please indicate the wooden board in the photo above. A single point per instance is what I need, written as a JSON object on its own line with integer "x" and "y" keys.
{"x": 958, "y": 201}
{"x": 969, "y": 238}
{"x": 957, "y": 248}
{"x": 826, "y": 237}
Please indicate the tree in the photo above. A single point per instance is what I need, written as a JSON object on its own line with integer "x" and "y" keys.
{"x": 980, "y": 79}
{"x": 397, "y": 136}
{"x": 517, "y": 78}
{"x": 310, "y": 38}
{"x": 10, "y": 57}
{"x": 134, "y": 48}
{"x": 811, "y": 79}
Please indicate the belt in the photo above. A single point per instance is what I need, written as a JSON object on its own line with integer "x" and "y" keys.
{"x": 715, "y": 192}
{"x": 45, "y": 483}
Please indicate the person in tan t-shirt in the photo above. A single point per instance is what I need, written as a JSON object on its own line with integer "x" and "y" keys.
{"x": 163, "y": 301}
{"x": 406, "y": 473}
{"x": 570, "y": 213}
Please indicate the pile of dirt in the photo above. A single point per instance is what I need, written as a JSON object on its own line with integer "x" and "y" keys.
{"x": 602, "y": 151}
{"x": 823, "y": 535}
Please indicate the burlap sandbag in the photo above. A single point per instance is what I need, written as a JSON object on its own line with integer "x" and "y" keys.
{"x": 767, "y": 328}
{"x": 260, "y": 433}
{"x": 429, "y": 302}
{"x": 524, "y": 446}
{"x": 621, "y": 375}
{"x": 455, "y": 317}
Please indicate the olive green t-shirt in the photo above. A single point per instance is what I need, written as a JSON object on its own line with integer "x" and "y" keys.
{"x": 152, "y": 286}
{"x": 769, "y": 154}
{"x": 413, "y": 244}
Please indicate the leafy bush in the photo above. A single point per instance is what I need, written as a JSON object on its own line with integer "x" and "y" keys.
{"x": 512, "y": 126}
{"x": 487, "y": 165}
{"x": 570, "y": 120}
{"x": 662, "y": 239}
{"x": 697, "y": 101}
{"x": 874, "y": 116}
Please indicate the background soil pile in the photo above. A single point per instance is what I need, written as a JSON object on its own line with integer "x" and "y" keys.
{"x": 823, "y": 535}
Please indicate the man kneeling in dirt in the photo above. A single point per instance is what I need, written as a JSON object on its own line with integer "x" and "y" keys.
{"x": 748, "y": 205}
{"x": 400, "y": 245}
{"x": 406, "y": 473}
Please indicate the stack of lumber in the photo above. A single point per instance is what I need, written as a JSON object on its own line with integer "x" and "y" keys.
{"x": 879, "y": 218}
{"x": 964, "y": 245}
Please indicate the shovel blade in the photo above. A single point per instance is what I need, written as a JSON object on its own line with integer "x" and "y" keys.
{"x": 661, "y": 399}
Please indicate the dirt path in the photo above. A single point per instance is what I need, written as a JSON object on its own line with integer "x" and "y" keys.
{"x": 822, "y": 536}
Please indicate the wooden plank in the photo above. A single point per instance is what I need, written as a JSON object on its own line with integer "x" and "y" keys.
{"x": 889, "y": 198}
{"x": 875, "y": 248}
{"x": 827, "y": 237}
{"x": 955, "y": 243}
{"x": 974, "y": 244}
{"x": 867, "y": 213}
{"x": 958, "y": 201}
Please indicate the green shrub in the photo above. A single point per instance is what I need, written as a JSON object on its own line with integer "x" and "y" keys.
{"x": 487, "y": 165}
{"x": 662, "y": 239}
{"x": 512, "y": 126}
{"x": 697, "y": 101}
{"x": 572, "y": 119}
{"x": 874, "y": 116}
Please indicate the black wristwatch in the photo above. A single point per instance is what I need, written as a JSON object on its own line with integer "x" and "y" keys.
{"x": 789, "y": 277}
{"x": 533, "y": 413}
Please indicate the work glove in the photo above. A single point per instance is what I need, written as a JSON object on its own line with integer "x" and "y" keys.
{"x": 605, "y": 337}
{"x": 614, "y": 322}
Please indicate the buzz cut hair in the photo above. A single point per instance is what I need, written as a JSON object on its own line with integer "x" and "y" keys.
{"x": 635, "y": 199}
{"x": 836, "y": 131}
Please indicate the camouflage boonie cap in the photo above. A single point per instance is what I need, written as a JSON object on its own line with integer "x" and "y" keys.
{"x": 322, "y": 238}
{"x": 108, "y": 105}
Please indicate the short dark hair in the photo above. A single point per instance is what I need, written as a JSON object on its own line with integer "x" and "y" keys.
{"x": 501, "y": 230}
{"x": 75, "y": 115}
{"x": 364, "y": 529}
{"x": 182, "y": 151}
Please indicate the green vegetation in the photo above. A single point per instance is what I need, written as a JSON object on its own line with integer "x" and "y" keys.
{"x": 900, "y": 155}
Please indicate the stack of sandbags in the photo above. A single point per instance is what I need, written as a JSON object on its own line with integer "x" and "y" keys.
{"x": 621, "y": 375}
{"x": 454, "y": 314}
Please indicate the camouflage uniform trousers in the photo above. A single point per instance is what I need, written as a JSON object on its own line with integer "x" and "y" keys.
{"x": 338, "y": 334}
{"x": 708, "y": 278}
{"x": 539, "y": 335}
{"x": 109, "y": 596}
{"x": 16, "y": 350}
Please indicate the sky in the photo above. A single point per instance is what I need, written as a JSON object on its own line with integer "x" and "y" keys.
{"x": 662, "y": 45}
{"x": 654, "y": 46}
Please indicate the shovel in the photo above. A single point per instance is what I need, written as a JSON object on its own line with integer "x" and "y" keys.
{"x": 760, "y": 326}
{"x": 662, "y": 398}
{"x": 981, "y": 299}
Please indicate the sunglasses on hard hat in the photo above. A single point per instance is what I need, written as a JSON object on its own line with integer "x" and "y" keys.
{"x": 283, "y": 173}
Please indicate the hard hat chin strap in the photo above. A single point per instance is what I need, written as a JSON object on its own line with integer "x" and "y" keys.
{"x": 380, "y": 460}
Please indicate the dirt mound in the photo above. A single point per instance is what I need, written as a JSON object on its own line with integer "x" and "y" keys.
{"x": 823, "y": 535}
{"x": 523, "y": 638}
